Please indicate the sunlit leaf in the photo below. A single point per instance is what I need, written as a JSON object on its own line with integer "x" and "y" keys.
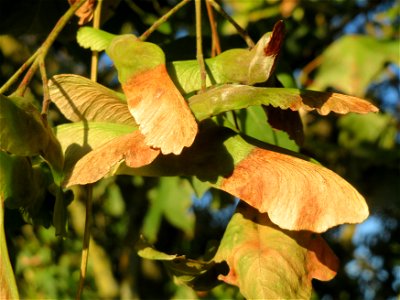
{"x": 94, "y": 39}
{"x": 229, "y": 97}
{"x": 352, "y": 62}
{"x": 297, "y": 194}
{"x": 129, "y": 148}
{"x": 232, "y": 66}
{"x": 267, "y": 262}
{"x": 158, "y": 107}
{"x": 79, "y": 98}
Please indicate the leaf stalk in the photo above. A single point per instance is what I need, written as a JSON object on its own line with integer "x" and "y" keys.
{"x": 199, "y": 46}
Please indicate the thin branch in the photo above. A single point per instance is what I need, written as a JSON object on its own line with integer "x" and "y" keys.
{"x": 44, "y": 48}
{"x": 243, "y": 33}
{"x": 95, "y": 54}
{"x": 46, "y": 93}
{"x": 86, "y": 240}
{"x": 161, "y": 20}
{"x": 215, "y": 45}
{"x": 199, "y": 46}
{"x": 28, "y": 77}
{"x": 18, "y": 73}
{"x": 89, "y": 188}
{"x": 305, "y": 72}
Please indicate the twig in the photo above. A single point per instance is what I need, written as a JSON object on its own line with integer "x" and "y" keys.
{"x": 243, "y": 33}
{"x": 28, "y": 76}
{"x": 41, "y": 53}
{"x": 215, "y": 45}
{"x": 305, "y": 72}
{"x": 86, "y": 240}
{"x": 46, "y": 93}
{"x": 161, "y": 20}
{"x": 18, "y": 73}
{"x": 89, "y": 188}
{"x": 199, "y": 46}
{"x": 95, "y": 54}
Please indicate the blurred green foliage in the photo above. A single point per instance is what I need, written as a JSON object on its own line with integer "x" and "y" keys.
{"x": 363, "y": 149}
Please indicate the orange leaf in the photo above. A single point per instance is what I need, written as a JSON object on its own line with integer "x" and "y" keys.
{"x": 298, "y": 195}
{"x": 162, "y": 113}
{"x": 100, "y": 162}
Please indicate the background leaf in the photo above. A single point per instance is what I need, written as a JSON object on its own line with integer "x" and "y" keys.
{"x": 347, "y": 63}
{"x": 170, "y": 199}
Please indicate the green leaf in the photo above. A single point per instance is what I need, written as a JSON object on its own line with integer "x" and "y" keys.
{"x": 230, "y": 97}
{"x": 253, "y": 122}
{"x": 198, "y": 274}
{"x": 24, "y": 133}
{"x": 371, "y": 137}
{"x": 16, "y": 178}
{"x": 79, "y": 98}
{"x": 267, "y": 262}
{"x": 145, "y": 250}
{"x": 352, "y": 62}
{"x": 231, "y": 66}
{"x": 27, "y": 188}
{"x": 8, "y": 286}
{"x": 132, "y": 56}
{"x": 94, "y": 39}
{"x": 375, "y": 129}
{"x": 172, "y": 199}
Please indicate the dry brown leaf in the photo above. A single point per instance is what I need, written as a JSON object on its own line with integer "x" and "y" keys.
{"x": 162, "y": 113}
{"x": 85, "y": 12}
{"x": 297, "y": 194}
{"x": 338, "y": 103}
{"x": 130, "y": 148}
